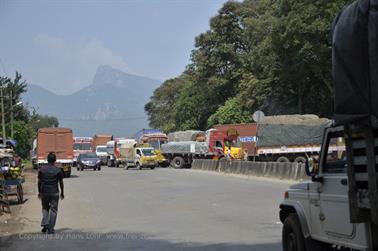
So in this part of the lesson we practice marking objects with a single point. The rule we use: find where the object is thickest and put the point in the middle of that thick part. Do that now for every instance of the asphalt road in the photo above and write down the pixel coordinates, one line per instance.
(161, 209)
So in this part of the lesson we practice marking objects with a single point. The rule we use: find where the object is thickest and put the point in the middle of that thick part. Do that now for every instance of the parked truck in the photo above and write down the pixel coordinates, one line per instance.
(58, 141)
(155, 138)
(101, 152)
(338, 208)
(100, 139)
(81, 145)
(189, 145)
(289, 138)
(245, 134)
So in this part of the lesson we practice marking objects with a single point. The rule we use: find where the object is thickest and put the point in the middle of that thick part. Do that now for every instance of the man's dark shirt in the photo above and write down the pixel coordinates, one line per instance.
(49, 177)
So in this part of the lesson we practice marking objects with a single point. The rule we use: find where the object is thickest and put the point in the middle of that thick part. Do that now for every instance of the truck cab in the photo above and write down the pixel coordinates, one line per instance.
(224, 145)
(102, 153)
(156, 140)
(141, 156)
(316, 214)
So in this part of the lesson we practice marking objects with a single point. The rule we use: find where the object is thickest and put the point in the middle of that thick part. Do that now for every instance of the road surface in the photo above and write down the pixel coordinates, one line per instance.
(161, 209)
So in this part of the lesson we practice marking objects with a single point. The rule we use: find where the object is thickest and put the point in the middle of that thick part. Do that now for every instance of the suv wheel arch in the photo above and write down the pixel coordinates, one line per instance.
(287, 209)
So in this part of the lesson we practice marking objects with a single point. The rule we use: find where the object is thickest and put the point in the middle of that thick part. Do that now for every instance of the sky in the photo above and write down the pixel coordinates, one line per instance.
(59, 44)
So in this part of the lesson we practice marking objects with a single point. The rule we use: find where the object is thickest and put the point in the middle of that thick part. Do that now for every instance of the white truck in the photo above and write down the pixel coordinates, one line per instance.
(338, 208)
(101, 152)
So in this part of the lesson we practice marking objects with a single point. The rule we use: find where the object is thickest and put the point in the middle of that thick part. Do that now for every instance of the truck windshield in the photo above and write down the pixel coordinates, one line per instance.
(82, 146)
(155, 144)
(148, 152)
(101, 149)
(232, 143)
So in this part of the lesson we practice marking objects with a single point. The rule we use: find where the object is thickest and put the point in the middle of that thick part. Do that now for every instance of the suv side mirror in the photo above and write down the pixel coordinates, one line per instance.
(311, 167)
(312, 170)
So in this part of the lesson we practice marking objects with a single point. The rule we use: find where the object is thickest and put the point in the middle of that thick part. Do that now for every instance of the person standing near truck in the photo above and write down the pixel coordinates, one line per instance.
(48, 178)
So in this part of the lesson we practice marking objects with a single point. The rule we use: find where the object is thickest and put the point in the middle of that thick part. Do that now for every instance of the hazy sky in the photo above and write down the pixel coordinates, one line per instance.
(58, 44)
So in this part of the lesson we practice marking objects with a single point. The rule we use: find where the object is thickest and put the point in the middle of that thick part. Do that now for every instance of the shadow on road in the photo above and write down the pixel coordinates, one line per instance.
(66, 239)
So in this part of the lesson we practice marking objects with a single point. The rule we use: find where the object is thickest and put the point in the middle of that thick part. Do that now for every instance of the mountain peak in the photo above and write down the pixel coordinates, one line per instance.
(107, 75)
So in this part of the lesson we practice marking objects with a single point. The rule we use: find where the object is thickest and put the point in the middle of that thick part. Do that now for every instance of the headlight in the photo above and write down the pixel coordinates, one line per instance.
(98, 161)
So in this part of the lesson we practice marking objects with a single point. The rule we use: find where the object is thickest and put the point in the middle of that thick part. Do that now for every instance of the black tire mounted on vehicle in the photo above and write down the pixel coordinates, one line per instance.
(283, 159)
(300, 159)
(292, 236)
(109, 163)
(178, 162)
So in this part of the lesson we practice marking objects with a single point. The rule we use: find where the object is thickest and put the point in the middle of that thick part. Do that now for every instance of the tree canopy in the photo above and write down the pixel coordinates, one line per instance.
(267, 55)
(25, 122)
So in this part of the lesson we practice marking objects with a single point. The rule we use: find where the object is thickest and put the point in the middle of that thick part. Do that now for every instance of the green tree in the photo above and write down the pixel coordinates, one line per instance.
(160, 107)
(24, 135)
(267, 55)
(42, 121)
(230, 113)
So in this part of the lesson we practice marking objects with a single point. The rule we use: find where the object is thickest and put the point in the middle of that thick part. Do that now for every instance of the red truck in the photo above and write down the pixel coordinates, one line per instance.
(244, 134)
(58, 141)
(81, 145)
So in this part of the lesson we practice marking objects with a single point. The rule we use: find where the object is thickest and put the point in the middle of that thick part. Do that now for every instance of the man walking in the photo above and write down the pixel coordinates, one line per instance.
(48, 178)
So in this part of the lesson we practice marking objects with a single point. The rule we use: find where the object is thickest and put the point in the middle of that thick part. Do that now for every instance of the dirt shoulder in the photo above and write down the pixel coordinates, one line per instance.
(12, 223)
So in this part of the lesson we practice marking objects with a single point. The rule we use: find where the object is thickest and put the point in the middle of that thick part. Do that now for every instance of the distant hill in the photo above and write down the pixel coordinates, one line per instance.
(113, 103)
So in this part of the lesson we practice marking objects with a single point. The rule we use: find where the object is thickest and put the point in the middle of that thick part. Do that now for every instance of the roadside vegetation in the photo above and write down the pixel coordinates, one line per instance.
(26, 120)
(267, 55)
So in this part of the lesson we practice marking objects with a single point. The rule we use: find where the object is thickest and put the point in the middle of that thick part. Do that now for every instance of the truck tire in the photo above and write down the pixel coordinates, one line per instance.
(110, 163)
(178, 162)
(300, 159)
(283, 159)
(292, 236)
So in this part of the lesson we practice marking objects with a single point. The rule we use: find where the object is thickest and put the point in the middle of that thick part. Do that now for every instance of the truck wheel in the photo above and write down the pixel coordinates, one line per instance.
(178, 162)
(292, 236)
(300, 159)
(109, 164)
(283, 159)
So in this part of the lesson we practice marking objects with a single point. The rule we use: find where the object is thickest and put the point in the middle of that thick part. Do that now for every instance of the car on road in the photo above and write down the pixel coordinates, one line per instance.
(88, 161)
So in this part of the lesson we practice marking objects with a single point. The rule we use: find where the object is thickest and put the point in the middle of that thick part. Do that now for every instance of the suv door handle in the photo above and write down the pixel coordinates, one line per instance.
(344, 182)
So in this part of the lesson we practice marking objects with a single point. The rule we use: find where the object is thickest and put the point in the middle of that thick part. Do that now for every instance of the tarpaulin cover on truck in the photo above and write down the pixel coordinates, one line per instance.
(290, 130)
(185, 147)
(355, 62)
(189, 135)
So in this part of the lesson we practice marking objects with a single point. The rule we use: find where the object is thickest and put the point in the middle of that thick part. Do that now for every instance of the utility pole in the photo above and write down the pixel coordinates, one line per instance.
(11, 110)
(3, 115)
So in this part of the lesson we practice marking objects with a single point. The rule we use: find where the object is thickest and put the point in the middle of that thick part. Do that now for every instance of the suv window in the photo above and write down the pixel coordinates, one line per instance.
(336, 157)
